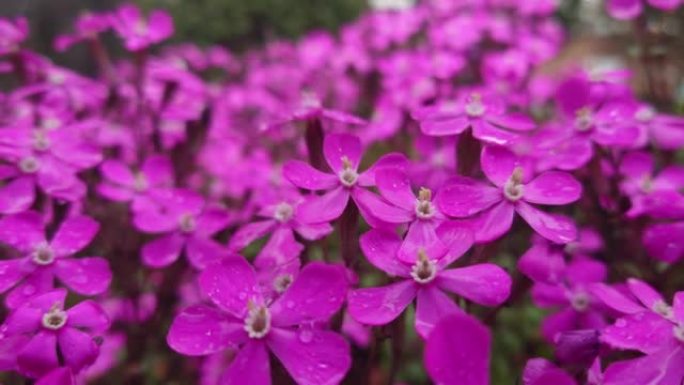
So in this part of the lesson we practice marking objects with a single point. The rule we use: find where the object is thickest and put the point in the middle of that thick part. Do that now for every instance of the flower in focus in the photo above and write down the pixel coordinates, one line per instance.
(54, 332)
(425, 280)
(40, 260)
(512, 191)
(292, 326)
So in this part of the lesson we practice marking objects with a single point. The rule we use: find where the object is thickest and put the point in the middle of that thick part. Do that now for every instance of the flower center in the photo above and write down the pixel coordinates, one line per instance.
(513, 189)
(424, 207)
(43, 255)
(29, 165)
(580, 301)
(474, 106)
(424, 269)
(645, 114)
(140, 182)
(584, 119)
(678, 332)
(187, 223)
(283, 212)
(348, 176)
(51, 123)
(40, 141)
(660, 307)
(647, 184)
(258, 321)
(282, 282)
(55, 318)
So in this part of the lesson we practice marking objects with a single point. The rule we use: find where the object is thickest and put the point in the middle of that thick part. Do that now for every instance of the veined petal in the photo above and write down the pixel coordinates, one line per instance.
(303, 175)
(317, 293)
(486, 284)
(380, 305)
(555, 228)
(312, 357)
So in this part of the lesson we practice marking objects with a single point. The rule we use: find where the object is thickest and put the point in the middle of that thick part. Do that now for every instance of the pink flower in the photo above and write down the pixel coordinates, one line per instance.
(424, 280)
(457, 351)
(513, 191)
(12, 33)
(343, 154)
(653, 195)
(54, 332)
(40, 260)
(291, 327)
(125, 185)
(281, 223)
(88, 27)
(188, 223)
(564, 286)
(650, 326)
(665, 241)
(483, 113)
(138, 33)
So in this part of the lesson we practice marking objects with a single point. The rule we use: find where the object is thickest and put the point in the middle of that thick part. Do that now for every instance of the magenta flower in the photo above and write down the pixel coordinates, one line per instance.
(88, 26)
(485, 114)
(592, 117)
(424, 280)
(60, 376)
(664, 131)
(656, 195)
(281, 223)
(457, 351)
(188, 223)
(567, 287)
(513, 191)
(54, 332)
(419, 212)
(665, 241)
(138, 33)
(651, 327)
(290, 327)
(343, 154)
(12, 34)
(310, 108)
(122, 184)
(40, 260)
(630, 9)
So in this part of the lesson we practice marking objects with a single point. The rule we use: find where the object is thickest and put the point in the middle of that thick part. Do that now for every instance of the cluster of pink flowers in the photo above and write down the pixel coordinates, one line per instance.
(240, 208)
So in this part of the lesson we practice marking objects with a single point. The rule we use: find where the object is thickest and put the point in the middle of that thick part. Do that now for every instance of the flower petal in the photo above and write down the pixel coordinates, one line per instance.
(201, 330)
(39, 355)
(644, 293)
(12, 271)
(615, 299)
(17, 195)
(250, 233)
(555, 228)
(493, 223)
(646, 332)
(250, 366)
(230, 284)
(486, 284)
(553, 188)
(458, 350)
(661, 368)
(464, 197)
(377, 207)
(395, 186)
(22, 231)
(88, 315)
(380, 305)
(380, 248)
(324, 208)
(336, 146)
(78, 348)
(303, 175)
(203, 251)
(312, 357)
(163, 251)
(498, 163)
(87, 276)
(316, 294)
(432, 305)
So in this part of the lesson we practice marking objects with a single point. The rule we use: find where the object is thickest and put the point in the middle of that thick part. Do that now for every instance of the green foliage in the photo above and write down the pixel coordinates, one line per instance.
(241, 23)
